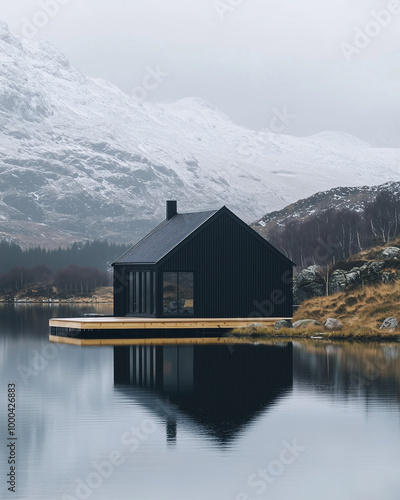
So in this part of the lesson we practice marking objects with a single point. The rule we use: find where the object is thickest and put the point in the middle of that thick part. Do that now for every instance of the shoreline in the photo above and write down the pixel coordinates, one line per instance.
(360, 334)
(100, 295)
(348, 336)
(56, 301)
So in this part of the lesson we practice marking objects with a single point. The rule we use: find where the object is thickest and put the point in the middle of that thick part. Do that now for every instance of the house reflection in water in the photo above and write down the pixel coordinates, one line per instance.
(222, 388)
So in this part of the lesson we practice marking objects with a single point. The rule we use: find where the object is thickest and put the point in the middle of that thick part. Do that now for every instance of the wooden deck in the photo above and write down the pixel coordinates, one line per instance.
(108, 323)
(112, 331)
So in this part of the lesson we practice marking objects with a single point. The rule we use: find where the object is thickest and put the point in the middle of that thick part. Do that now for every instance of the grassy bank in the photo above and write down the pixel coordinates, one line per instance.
(361, 311)
(360, 334)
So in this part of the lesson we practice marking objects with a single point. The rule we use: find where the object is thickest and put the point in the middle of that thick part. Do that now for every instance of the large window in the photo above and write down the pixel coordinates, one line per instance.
(178, 295)
(141, 292)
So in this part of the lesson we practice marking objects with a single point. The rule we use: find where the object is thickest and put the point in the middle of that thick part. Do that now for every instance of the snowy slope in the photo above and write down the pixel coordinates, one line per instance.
(349, 198)
(79, 158)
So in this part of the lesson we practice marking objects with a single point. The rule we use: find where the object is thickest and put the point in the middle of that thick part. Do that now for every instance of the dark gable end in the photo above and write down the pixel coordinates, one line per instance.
(230, 214)
(170, 235)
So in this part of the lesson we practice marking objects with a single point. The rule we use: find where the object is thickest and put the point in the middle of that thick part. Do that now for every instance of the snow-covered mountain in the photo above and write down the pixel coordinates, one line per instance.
(350, 198)
(81, 159)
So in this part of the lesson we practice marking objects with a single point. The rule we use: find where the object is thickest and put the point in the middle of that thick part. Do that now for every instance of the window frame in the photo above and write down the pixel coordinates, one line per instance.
(178, 314)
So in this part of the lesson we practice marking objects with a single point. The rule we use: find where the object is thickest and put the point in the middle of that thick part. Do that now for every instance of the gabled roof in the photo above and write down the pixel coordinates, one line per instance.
(164, 238)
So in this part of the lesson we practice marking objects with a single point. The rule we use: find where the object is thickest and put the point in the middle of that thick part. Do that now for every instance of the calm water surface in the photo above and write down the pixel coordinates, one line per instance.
(301, 420)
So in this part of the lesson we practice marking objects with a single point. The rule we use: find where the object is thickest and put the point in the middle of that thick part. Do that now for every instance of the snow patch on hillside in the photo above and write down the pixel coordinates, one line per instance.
(83, 159)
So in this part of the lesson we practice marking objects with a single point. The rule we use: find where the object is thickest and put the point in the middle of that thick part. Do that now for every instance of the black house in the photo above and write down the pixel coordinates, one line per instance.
(203, 265)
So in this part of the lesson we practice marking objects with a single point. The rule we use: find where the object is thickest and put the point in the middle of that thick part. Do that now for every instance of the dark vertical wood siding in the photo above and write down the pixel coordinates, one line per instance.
(121, 287)
(120, 291)
(236, 275)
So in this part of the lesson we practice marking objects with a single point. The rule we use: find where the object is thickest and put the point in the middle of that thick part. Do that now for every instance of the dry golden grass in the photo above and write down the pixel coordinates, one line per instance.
(356, 333)
(361, 311)
(373, 253)
(364, 307)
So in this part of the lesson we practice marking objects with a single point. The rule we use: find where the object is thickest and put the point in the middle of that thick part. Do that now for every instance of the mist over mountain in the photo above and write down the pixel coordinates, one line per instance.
(80, 159)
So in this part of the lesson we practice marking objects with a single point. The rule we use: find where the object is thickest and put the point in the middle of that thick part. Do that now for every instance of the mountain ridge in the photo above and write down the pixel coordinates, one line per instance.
(351, 198)
(79, 159)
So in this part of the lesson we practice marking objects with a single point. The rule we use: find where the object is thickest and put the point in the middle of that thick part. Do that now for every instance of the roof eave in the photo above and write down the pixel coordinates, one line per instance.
(134, 263)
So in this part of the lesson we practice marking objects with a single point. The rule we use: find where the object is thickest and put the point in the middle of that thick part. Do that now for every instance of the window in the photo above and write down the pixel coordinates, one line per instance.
(141, 292)
(178, 294)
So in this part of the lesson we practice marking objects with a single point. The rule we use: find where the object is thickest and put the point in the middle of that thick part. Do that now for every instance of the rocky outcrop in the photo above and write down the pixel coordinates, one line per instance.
(391, 253)
(310, 282)
(370, 272)
(338, 280)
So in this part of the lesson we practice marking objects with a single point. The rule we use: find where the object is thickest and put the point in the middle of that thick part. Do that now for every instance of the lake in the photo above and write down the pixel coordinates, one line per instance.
(277, 420)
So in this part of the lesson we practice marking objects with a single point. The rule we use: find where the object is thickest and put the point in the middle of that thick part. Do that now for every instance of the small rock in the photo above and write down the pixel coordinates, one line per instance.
(283, 323)
(389, 324)
(302, 323)
(333, 324)
(254, 327)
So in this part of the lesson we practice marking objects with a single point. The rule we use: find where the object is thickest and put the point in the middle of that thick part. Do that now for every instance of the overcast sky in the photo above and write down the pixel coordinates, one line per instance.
(332, 64)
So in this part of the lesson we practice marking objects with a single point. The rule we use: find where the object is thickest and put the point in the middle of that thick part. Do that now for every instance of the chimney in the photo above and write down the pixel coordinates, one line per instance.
(171, 209)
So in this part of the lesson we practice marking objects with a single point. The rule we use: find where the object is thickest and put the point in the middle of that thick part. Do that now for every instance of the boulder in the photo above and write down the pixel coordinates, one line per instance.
(307, 276)
(387, 277)
(254, 327)
(337, 282)
(333, 324)
(353, 277)
(303, 323)
(389, 324)
(308, 283)
(283, 323)
(371, 272)
(391, 253)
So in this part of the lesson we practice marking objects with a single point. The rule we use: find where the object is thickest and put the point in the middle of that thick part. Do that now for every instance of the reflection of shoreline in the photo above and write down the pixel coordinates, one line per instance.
(101, 295)
(314, 334)
(56, 301)
(32, 320)
(348, 369)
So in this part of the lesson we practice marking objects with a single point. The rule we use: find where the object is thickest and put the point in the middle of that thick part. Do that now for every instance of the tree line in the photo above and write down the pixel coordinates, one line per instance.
(97, 254)
(72, 279)
(333, 235)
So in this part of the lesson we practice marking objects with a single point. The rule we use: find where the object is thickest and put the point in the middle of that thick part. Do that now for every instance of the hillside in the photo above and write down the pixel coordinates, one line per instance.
(350, 198)
(79, 159)
(331, 226)
(360, 307)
